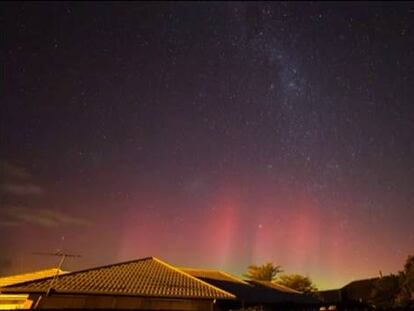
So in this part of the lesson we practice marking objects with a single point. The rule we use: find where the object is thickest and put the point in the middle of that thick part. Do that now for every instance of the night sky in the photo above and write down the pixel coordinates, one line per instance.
(209, 135)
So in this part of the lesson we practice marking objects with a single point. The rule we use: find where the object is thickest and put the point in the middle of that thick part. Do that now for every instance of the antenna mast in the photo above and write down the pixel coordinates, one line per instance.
(63, 256)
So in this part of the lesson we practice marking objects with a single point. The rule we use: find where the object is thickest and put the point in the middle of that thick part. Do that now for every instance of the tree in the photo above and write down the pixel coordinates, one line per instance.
(385, 291)
(405, 296)
(266, 272)
(395, 290)
(297, 282)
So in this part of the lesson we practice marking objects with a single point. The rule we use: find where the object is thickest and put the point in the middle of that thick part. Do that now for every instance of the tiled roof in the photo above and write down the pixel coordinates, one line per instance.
(144, 277)
(213, 274)
(19, 278)
(254, 292)
(241, 289)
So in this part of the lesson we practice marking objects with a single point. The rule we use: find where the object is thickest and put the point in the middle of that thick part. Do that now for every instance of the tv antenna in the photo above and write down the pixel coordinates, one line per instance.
(63, 256)
(58, 253)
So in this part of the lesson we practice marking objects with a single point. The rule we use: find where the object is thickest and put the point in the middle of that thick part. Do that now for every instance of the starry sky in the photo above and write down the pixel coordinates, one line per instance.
(209, 135)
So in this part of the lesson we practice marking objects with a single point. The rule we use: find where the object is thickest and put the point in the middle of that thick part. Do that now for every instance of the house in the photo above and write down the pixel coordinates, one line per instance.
(355, 294)
(256, 294)
(21, 301)
(146, 284)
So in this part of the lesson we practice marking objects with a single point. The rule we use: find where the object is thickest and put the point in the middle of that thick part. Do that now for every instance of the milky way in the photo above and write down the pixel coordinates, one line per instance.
(209, 134)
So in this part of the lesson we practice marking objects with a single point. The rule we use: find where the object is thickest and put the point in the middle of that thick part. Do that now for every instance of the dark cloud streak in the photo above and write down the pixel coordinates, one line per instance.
(43, 217)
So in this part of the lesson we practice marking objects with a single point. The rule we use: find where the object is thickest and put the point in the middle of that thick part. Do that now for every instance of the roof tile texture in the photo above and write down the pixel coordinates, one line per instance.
(144, 277)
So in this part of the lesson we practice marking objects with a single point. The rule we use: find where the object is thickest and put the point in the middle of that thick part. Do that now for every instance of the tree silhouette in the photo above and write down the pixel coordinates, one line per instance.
(405, 297)
(395, 291)
(266, 272)
(297, 282)
(385, 291)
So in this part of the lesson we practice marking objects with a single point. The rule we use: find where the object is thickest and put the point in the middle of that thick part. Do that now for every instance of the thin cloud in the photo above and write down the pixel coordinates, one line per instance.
(17, 181)
(18, 186)
(21, 189)
(8, 223)
(13, 171)
(42, 217)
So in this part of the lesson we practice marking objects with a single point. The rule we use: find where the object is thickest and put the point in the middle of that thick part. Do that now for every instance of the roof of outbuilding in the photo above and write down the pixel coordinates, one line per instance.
(251, 291)
(213, 274)
(143, 277)
(276, 286)
(31, 276)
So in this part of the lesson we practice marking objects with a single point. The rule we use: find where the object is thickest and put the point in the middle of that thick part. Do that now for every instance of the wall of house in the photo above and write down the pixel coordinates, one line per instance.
(120, 302)
(14, 301)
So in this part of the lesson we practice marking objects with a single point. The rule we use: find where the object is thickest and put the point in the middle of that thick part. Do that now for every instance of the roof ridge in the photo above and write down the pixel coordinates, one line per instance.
(32, 272)
(234, 277)
(193, 277)
(199, 269)
(286, 287)
(273, 285)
